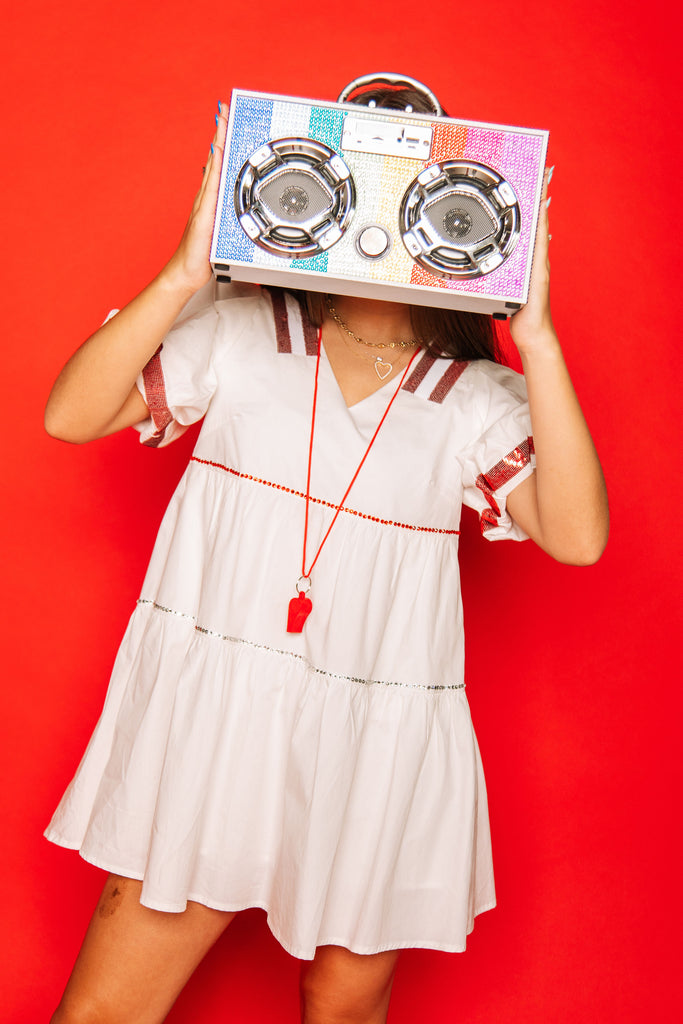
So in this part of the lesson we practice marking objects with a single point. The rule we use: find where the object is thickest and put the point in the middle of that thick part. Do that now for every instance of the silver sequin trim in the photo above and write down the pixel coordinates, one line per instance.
(299, 657)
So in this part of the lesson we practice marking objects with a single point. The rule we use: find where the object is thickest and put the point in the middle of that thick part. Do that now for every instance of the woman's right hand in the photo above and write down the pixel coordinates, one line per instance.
(189, 266)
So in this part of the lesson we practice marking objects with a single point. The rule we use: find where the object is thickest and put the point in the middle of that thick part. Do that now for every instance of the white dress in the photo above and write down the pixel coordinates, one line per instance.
(331, 777)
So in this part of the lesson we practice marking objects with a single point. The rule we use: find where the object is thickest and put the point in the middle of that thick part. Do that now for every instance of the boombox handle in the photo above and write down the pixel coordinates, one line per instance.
(389, 78)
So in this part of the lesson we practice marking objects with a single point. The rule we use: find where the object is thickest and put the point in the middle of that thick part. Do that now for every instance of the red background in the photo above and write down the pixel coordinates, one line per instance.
(572, 672)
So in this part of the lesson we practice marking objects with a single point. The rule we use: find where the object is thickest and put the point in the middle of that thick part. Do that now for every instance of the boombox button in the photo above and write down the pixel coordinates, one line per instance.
(373, 242)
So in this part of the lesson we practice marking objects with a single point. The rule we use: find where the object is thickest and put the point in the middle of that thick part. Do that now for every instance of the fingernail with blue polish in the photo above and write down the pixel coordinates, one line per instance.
(216, 116)
(550, 173)
(547, 202)
(220, 108)
(212, 154)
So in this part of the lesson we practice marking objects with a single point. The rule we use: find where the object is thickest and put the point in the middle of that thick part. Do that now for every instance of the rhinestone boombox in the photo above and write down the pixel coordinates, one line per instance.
(378, 203)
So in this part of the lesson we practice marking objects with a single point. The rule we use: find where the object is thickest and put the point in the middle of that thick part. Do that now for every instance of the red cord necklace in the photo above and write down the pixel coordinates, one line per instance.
(301, 605)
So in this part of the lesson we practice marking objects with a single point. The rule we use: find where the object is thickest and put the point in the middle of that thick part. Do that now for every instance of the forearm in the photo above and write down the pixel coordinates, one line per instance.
(571, 511)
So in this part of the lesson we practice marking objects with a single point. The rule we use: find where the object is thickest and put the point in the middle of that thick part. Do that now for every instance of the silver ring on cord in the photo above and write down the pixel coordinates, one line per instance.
(303, 589)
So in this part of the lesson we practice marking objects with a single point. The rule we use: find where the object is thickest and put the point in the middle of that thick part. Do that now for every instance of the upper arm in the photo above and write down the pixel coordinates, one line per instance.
(134, 410)
(522, 504)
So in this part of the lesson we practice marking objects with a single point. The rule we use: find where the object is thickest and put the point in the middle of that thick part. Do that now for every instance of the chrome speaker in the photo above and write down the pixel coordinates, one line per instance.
(459, 219)
(294, 197)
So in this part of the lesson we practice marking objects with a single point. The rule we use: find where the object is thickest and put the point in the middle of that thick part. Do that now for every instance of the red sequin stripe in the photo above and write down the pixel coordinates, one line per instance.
(491, 481)
(318, 501)
(281, 316)
(419, 373)
(155, 395)
(450, 375)
(447, 380)
(284, 341)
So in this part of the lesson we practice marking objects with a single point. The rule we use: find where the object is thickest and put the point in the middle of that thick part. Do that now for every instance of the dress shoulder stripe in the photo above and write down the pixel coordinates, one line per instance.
(433, 378)
(295, 334)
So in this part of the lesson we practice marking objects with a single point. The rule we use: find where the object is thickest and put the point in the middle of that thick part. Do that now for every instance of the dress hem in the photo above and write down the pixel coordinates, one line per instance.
(176, 908)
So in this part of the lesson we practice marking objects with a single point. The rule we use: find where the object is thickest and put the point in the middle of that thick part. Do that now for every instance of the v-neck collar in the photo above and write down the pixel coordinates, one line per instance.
(384, 386)
(430, 378)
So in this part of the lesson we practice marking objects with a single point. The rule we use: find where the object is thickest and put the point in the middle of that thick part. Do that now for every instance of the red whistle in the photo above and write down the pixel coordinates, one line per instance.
(299, 610)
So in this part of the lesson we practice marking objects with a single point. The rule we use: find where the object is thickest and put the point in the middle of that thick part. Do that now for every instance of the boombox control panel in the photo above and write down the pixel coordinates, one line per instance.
(339, 198)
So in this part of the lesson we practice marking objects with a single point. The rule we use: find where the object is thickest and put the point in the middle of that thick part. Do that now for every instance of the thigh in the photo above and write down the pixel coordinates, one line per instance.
(134, 961)
(338, 985)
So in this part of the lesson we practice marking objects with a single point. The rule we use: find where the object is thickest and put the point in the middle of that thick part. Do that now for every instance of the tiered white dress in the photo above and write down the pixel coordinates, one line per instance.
(331, 777)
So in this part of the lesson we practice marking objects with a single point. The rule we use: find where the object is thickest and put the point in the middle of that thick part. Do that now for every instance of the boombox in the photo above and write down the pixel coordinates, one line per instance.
(378, 203)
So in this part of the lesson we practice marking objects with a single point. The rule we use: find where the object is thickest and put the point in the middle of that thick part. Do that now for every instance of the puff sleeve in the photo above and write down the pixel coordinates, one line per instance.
(180, 379)
(502, 454)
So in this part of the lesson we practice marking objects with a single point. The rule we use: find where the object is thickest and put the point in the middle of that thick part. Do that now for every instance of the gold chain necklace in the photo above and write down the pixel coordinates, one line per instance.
(370, 344)
(382, 367)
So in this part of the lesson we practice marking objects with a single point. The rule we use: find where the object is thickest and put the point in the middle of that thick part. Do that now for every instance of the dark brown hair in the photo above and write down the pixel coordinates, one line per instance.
(451, 333)
(447, 333)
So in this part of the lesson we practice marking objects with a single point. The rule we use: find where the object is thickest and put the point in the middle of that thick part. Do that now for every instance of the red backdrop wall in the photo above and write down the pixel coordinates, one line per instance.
(571, 671)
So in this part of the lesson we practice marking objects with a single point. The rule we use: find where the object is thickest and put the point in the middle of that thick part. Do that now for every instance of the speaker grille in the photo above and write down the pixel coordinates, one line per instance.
(294, 197)
(460, 219)
(294, 200)
(457, 222)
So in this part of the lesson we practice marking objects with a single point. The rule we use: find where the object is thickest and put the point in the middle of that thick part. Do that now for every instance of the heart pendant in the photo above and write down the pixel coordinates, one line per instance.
(382, 369)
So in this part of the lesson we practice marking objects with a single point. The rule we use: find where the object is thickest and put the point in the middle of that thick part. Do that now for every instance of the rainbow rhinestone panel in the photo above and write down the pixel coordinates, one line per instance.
(380, 183)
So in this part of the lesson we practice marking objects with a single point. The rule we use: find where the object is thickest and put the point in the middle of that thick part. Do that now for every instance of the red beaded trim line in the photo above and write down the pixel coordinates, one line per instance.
(320, 501)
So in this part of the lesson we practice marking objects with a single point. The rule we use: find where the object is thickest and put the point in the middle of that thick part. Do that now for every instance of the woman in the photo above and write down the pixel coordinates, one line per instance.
(286, 725)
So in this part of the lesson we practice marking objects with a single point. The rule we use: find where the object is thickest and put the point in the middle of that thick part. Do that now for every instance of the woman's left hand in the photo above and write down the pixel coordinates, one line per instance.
(533, 324)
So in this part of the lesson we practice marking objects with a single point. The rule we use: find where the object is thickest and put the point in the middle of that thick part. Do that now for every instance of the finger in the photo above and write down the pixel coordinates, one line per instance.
(213, 175)
(221, 128)
(222, 125)
(542, 228)
(546, 199)
(206, 172)
(218, 142)
(205, 202)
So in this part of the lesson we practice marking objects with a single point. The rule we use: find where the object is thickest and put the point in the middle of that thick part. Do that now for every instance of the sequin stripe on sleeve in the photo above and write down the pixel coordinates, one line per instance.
(503, 471)
(155, 396)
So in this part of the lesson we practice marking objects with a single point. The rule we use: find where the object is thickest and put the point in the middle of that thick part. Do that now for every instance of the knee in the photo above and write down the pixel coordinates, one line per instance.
(329, 997)
(322, 1006)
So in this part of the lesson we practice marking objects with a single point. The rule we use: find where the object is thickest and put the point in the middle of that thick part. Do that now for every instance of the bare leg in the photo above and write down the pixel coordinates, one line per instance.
(135, 961)
(341, 986)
